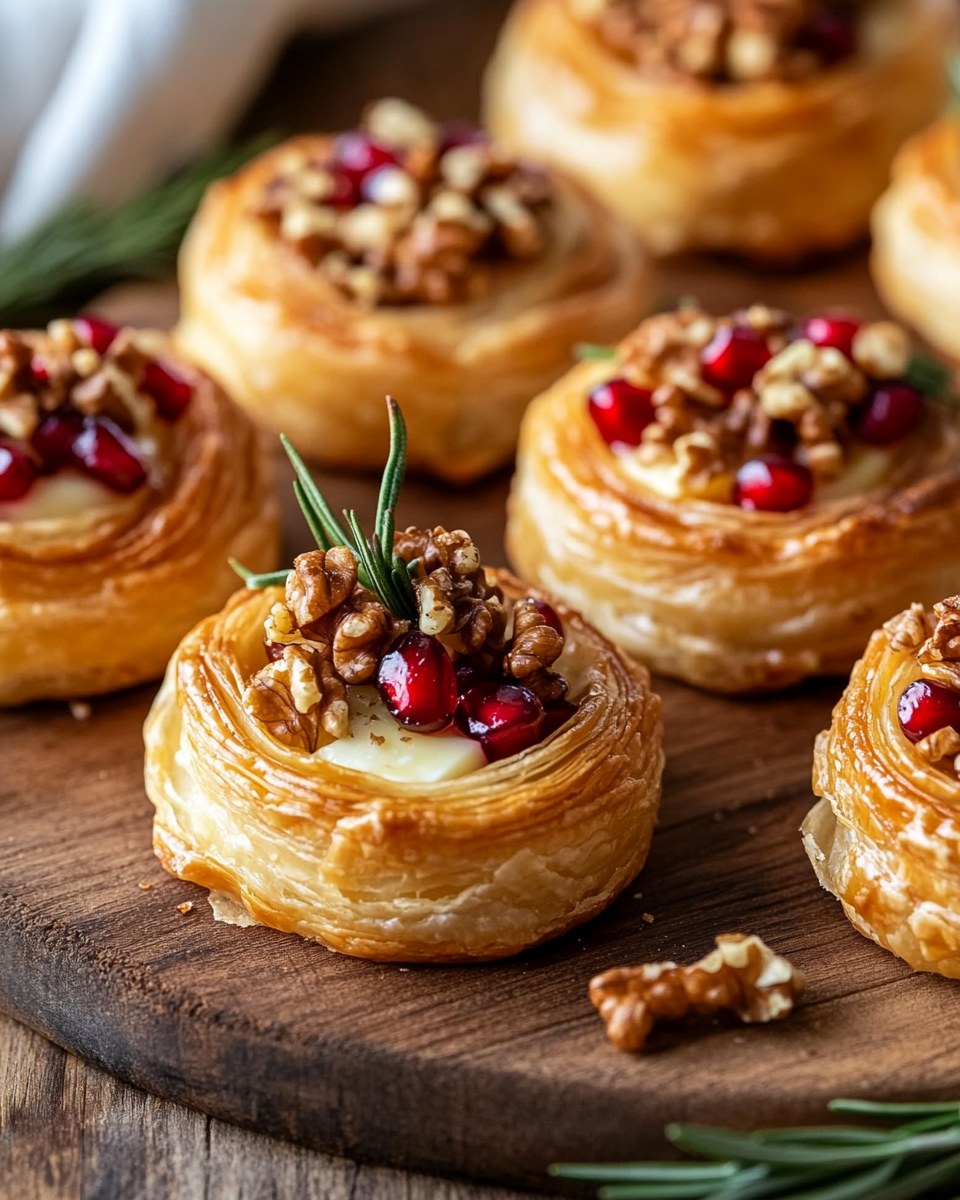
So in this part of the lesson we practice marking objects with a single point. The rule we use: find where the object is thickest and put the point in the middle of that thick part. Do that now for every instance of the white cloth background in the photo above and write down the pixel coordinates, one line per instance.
(98, 98)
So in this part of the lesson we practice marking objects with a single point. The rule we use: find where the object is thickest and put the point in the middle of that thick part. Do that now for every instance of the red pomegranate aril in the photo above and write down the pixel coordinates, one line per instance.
(104, 452)
(832, 34)
(893, 411)
(557, 714)
(96, 332)
(837, 332)
(357, 154)
(549, 614)
(621, 412)
(39, 373)
(346, 190)
(925, 706)
(418, 684)
(17, 472)
(772, 484)
(504, 718)
(53, 440)
(468, 676)
(462, 133)
(732, 358)
(170, 392)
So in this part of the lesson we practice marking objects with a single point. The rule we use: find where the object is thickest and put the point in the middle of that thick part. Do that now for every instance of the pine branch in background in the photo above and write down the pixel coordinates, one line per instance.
(81, 250)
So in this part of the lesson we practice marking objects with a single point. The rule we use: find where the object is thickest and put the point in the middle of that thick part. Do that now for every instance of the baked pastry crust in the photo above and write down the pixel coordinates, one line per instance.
(308, 362)
(725, 599)
(885, 837)
(729, 168)
(98, 602)
(916, 236)
(481, 866)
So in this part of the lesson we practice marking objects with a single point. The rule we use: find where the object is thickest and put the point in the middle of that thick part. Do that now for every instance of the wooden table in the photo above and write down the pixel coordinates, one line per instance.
(68, 1129)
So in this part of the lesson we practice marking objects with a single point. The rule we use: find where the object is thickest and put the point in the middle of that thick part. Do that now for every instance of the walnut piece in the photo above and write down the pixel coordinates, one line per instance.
(939, 656)
(362, 636)
(320, 582)
(535, 646)
(742, 976)
(909, 629)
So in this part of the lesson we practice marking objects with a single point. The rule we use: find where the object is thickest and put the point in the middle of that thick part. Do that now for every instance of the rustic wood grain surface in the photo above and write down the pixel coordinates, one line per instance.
(485, 1071)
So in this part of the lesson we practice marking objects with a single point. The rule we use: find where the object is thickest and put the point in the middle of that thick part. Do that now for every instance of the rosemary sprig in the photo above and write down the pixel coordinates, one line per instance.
(379, 569)
(81, 250)
(592, 352)
(935, 379)
(828, 1162)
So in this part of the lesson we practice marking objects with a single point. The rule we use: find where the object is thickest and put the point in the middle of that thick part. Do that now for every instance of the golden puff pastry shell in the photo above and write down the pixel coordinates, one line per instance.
(308, 362)
(916, 236)
(477, 867)
(885, 838)
(728, 600)
(771, 170)
(97, 602)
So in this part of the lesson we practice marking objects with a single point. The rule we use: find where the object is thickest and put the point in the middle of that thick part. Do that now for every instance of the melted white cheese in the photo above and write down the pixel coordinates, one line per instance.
(377, 745)
(55, 497)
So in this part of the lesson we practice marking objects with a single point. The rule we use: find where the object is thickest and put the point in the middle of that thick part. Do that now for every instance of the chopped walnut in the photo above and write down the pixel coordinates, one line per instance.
(803, 400)
(424, 230)
(535, 646)
(737, 41)
(286, 697)
(907, 630)
(939, 656)
(320, 582)
(742, 976)
(362, 637)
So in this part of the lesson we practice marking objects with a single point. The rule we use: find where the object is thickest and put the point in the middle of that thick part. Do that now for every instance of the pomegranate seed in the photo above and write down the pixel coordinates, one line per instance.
(837, 332)
(17, 472)
(357, 154)
(105, 453)
(468, 676)
(893, 411)
(346, 190)
(462, 133)
(735, 354)
(96, 332)
(831, 34)
(54, 437)
(418, 684)
(504, 718)
(549, 614)
(557, 714)
(39, 373)
(621, 412)
(772, 484)
(925, 707)
(168, 389)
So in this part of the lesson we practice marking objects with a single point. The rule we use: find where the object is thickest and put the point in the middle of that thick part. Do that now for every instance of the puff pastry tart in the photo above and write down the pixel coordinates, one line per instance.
(126, 478)
(739, 500)
(734, 125)
(405, 756)
(916, 236)
(404, 256)
(885, 837)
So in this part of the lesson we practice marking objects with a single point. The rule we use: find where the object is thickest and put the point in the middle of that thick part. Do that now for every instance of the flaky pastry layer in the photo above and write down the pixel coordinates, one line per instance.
(477, 867)
(728, 600)
(885, 837)
(96, 602)
(916, 236)
(308, 362)
(772, 170)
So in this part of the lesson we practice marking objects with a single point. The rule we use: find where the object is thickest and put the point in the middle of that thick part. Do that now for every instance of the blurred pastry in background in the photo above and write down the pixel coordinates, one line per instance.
(407, 257)
(916, 236)
(763, 129)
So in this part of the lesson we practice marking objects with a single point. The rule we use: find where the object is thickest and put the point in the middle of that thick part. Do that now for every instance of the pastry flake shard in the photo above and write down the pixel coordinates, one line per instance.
(719, 469)
(742, 976)
(433, 764)
(884, 837)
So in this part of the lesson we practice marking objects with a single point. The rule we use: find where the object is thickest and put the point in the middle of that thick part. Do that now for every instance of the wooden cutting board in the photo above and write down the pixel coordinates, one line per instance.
(491, 1071)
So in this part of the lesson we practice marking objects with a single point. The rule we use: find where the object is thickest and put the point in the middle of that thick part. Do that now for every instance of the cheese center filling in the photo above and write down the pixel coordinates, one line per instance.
(377, 745)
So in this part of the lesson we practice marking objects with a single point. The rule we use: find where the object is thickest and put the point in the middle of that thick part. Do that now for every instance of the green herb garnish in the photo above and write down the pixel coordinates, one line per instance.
(379, 569)
(827, 1162)
(81, 250)
(592, 352)
(935, 379)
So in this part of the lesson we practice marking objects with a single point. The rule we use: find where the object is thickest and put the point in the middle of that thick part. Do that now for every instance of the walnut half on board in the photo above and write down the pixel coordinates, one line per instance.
(742, 976)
